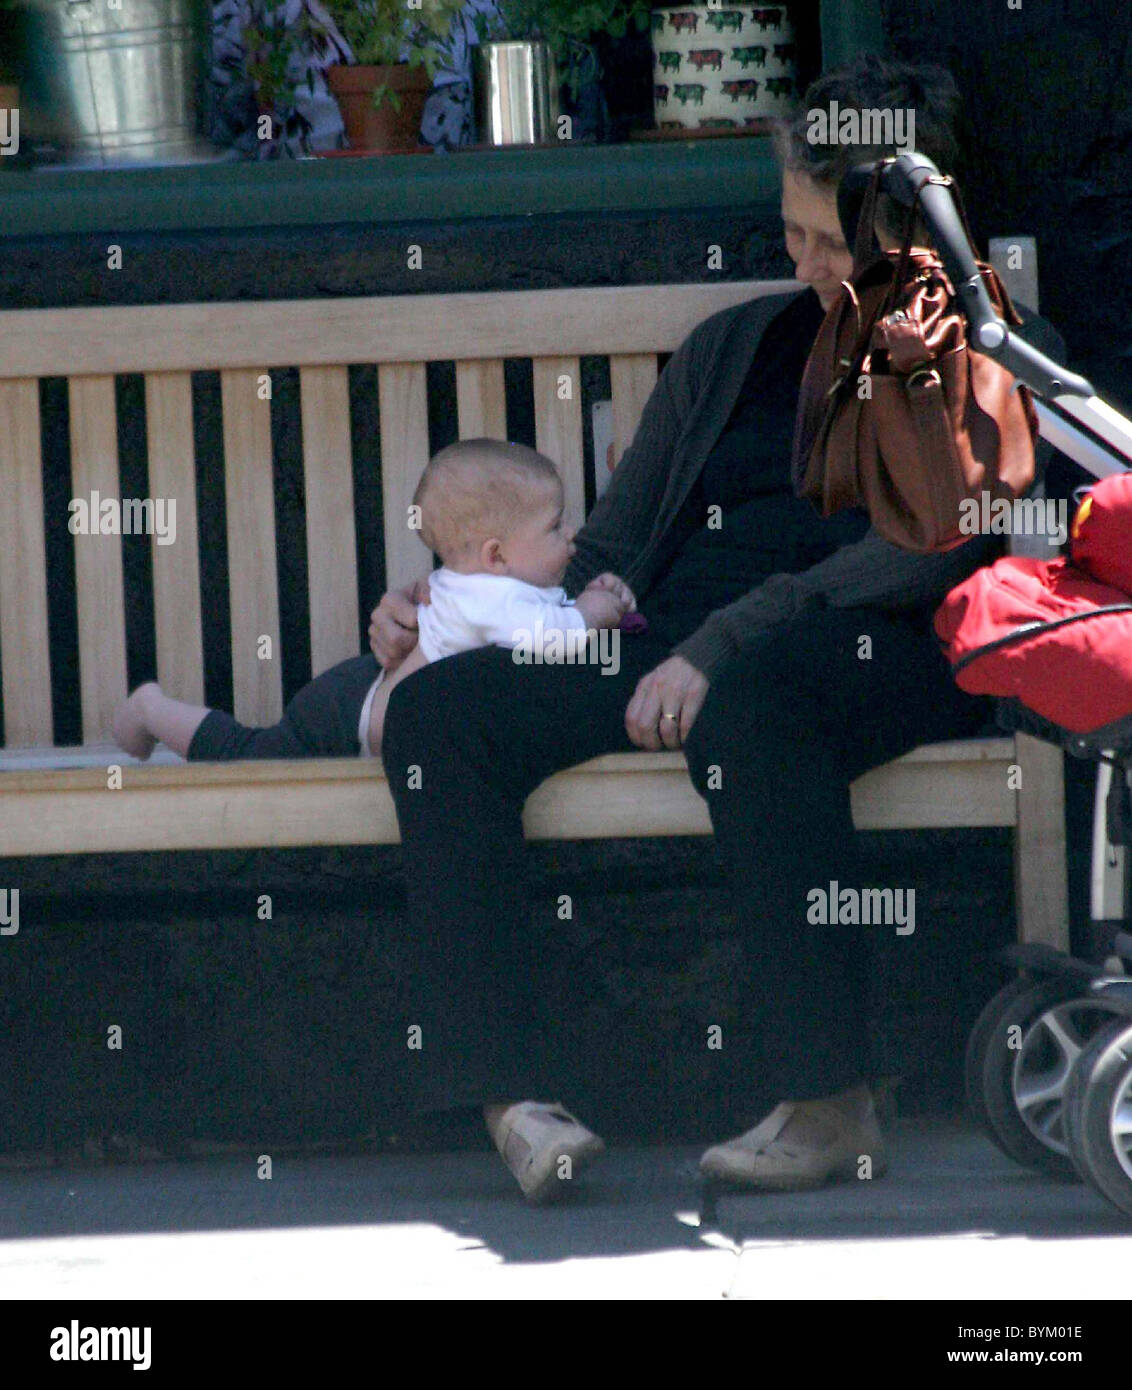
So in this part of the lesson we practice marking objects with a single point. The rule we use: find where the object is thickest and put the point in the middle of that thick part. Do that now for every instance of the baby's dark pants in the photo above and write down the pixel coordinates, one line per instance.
(320, 722)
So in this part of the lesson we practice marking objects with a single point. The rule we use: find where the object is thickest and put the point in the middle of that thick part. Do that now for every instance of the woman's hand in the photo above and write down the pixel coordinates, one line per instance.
(665, 704)
(393, 623)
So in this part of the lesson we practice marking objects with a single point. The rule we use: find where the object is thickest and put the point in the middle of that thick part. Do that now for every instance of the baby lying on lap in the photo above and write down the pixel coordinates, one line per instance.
(493, 512)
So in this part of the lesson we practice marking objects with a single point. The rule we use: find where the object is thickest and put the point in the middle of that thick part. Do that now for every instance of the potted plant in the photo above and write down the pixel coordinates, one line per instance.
(270, 46)
(396, 53)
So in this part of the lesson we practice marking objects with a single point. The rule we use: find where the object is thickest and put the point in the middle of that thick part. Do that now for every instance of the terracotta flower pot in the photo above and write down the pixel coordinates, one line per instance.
(353, 85)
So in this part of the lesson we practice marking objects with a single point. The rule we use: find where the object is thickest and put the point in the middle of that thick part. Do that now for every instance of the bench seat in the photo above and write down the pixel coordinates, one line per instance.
(55, 801)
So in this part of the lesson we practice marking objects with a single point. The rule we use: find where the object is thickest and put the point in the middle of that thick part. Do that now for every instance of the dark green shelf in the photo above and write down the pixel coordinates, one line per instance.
(653, 175)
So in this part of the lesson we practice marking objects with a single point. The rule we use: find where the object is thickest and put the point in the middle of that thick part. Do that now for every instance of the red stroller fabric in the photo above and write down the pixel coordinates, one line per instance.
(1101, 537)
(1032, 630)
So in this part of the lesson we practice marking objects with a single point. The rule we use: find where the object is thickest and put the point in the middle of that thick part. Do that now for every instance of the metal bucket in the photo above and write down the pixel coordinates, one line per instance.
(130, 78)
(517, 97)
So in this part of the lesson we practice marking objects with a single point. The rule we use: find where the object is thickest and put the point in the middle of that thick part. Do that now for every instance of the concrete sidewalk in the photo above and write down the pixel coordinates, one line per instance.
(953, 1219)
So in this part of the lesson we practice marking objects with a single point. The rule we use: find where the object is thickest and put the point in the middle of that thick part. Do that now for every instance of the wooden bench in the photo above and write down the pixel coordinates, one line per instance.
(55, 800)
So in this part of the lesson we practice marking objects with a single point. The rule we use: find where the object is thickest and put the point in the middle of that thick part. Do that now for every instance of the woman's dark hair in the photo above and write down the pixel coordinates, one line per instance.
(870, 83)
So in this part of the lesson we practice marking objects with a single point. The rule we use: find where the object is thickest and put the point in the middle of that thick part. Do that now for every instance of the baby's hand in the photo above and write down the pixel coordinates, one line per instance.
(601, 608)
(616, 586)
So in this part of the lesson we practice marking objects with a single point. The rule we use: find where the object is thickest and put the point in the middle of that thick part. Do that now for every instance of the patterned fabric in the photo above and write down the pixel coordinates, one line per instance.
(315, 123)
(448, 120)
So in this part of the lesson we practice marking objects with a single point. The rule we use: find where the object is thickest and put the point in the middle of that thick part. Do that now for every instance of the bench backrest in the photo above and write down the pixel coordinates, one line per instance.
(244, 342)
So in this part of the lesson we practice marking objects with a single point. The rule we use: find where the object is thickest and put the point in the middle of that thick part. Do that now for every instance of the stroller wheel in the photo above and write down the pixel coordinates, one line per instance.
(979, 1041)
(1032, 1040)
(1098, 1104)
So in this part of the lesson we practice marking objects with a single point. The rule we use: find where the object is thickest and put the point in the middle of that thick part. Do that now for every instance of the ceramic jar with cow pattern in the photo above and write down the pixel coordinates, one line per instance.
(721, 69)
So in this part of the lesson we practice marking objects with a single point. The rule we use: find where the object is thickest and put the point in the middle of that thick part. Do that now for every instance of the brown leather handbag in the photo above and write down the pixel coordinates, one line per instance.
(896, 413)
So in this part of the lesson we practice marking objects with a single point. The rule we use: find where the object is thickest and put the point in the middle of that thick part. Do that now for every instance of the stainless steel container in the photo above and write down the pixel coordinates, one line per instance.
(130, 78)
(517, 96)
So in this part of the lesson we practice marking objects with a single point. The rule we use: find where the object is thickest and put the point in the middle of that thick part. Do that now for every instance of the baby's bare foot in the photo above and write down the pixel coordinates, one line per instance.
(130, 728)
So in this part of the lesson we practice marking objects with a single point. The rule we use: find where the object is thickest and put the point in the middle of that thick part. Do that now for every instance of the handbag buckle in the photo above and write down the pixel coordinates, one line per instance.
(840, 381)
(929, 372)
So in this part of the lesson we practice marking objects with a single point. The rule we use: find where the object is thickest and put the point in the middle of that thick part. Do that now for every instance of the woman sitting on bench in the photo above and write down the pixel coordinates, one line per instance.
(754, 665)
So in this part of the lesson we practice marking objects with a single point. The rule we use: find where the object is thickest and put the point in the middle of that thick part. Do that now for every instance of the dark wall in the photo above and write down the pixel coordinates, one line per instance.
(1048, 95)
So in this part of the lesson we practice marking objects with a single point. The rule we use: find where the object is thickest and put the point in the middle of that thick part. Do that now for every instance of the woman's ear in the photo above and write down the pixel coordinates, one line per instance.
(887, 241)
(891, 222)
(888, 216)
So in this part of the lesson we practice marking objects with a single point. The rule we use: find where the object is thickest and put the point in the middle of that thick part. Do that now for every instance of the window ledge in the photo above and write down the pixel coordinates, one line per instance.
(646, 175)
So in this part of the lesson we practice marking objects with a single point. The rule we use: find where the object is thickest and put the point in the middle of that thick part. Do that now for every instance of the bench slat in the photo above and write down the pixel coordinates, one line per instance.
(558, 427)
(933, 795)
(1041, 871)
(23, 569)
(291, 810)
(403, 403)
(632, 377)
(98, 558)
(332, 558)
(347, 801)
(481, 399)
(13, 761)
(176, 567)
(372, 328)
(253, 593)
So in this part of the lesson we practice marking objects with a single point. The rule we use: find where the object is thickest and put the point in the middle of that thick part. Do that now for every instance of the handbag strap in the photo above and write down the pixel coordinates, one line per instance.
(863, 244)
(863, 241)
(909, 229)
(1035, 629)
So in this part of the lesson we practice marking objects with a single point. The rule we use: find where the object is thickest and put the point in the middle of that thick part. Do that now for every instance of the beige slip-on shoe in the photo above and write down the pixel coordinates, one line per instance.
(803, 1144)
(544, 1146)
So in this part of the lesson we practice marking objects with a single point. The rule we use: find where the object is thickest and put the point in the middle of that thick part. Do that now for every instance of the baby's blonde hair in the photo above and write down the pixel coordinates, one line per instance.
(476, 489)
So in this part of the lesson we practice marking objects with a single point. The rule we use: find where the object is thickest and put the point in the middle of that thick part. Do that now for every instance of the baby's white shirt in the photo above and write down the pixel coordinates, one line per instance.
(483, 610)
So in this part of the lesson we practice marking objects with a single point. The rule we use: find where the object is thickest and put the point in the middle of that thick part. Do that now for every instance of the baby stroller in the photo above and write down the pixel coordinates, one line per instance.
(1049, 1061)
